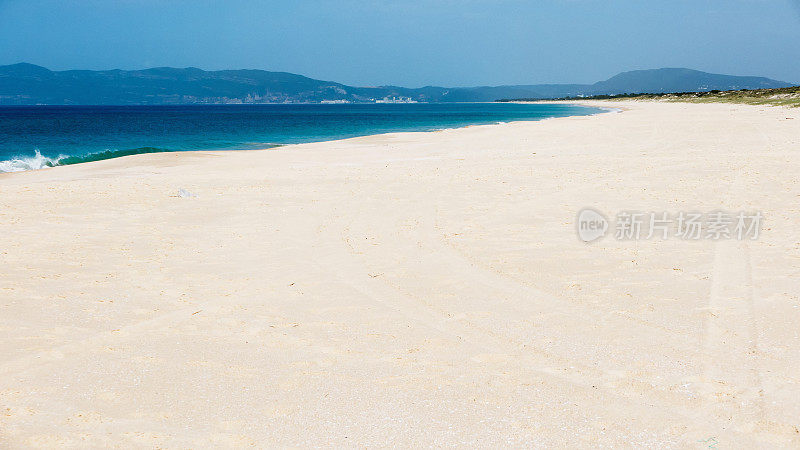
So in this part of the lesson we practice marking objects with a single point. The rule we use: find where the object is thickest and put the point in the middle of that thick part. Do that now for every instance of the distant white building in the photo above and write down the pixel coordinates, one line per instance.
(396, 100)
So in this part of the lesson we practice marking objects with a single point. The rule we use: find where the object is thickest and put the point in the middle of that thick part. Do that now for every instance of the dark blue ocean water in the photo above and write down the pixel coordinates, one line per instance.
(33, 137)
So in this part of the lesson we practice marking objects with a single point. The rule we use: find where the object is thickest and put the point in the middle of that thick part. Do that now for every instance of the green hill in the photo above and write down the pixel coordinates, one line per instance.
(25, 84)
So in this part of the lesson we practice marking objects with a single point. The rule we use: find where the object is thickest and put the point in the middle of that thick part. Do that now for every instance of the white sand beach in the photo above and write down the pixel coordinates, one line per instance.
(415, 289)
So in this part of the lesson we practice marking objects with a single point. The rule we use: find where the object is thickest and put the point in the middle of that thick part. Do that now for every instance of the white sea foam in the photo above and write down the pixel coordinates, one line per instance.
(30, 163)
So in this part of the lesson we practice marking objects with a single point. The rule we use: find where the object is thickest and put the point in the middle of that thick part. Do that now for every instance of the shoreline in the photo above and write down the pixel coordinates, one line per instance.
(282, 146)
(420, 288)
(46, 162)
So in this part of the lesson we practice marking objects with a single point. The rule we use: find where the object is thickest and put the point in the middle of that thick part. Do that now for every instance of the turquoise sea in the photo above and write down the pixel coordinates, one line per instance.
(35, 137)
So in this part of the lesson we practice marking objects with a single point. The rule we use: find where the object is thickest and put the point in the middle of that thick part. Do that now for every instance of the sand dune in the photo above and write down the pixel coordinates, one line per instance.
(410, 289)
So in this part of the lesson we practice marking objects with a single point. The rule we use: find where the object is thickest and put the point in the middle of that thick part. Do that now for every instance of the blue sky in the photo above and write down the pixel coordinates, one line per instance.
(410, 43)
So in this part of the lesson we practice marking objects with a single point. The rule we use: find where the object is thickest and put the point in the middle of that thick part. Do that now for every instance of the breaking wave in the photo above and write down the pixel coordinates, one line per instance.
(39, 161)
(35, 162)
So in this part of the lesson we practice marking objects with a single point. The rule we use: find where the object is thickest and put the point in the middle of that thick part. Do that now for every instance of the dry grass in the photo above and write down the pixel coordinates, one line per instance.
(783, 97)
(789, 96)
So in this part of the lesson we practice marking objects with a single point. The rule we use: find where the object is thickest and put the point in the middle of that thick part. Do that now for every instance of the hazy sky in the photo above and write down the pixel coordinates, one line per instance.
(410, 43)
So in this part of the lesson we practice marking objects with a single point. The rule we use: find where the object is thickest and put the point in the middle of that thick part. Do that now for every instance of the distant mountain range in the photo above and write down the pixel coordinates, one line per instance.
(26, 84)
